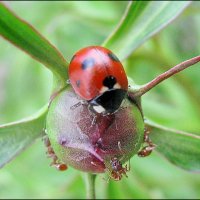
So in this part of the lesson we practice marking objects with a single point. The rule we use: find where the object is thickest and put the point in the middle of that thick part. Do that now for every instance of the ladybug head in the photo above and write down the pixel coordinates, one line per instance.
(108, 102)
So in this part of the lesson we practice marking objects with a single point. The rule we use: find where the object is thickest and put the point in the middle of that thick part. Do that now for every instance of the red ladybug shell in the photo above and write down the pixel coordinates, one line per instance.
(90, 66)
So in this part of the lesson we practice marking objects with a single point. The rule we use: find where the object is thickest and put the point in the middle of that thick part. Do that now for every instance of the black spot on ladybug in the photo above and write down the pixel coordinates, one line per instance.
(113, 57)
(109, 81)
(87, 63)
(73, 58)
(78, 82)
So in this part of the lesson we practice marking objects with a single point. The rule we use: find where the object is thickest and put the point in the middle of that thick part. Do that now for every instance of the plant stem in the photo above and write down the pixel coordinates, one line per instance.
(181, 66)
(90, 185)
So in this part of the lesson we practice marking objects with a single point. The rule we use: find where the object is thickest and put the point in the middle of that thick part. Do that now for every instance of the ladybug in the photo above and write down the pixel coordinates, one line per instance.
(98, 77)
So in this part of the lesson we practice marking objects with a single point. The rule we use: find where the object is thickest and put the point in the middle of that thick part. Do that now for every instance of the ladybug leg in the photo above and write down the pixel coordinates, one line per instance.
(146, 150)
(81, 102)
(51, 154)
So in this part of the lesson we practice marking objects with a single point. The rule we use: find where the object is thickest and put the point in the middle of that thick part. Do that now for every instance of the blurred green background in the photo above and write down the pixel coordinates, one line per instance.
(25, 87)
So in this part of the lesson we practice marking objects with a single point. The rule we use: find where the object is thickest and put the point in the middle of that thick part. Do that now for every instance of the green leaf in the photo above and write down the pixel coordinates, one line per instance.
(141, 20)
(24, 36)
(180, 148)
(15, 137)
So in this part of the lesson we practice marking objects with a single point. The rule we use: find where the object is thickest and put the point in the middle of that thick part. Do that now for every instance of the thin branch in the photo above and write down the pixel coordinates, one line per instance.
(90, 186)
(174, 70)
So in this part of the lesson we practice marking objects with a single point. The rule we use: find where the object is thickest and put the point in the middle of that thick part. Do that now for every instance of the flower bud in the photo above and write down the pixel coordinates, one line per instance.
(89, 142)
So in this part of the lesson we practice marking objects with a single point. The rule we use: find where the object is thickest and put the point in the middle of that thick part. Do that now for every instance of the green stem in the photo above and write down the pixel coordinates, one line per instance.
(161, 61)
(90, 185)
(145, 88)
